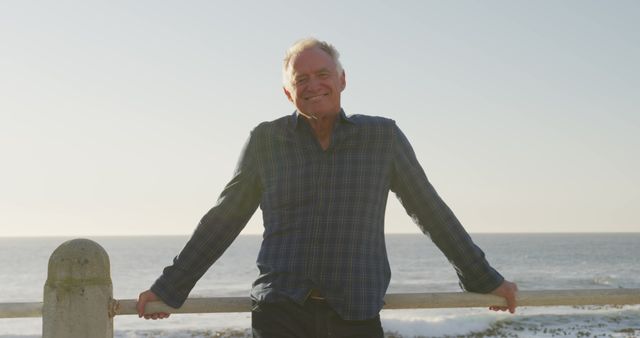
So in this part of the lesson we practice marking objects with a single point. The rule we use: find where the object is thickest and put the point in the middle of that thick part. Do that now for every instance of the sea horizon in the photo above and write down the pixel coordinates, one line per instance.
(386, 233)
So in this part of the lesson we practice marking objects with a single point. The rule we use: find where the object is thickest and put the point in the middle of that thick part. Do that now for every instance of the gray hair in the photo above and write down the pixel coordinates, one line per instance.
(302, 45)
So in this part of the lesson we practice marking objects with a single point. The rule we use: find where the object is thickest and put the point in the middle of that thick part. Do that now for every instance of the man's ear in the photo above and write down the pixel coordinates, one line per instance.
(343, 81)
(287, 93)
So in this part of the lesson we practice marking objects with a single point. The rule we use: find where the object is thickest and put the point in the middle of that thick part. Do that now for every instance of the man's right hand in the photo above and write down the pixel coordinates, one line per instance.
(508, 291)
(143, 298)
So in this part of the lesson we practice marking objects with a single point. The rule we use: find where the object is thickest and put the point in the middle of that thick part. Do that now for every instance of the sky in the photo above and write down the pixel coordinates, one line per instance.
(127, 117)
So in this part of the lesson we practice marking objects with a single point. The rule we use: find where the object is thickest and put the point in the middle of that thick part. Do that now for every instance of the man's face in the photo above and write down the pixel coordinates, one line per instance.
(315, 83)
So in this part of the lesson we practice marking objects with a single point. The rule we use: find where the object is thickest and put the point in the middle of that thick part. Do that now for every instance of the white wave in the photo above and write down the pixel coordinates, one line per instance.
(606, 280)
(437, 323)
(608, 321)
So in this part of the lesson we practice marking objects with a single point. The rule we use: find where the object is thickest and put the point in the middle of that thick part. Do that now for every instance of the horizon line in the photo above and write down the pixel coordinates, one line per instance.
(386, 233)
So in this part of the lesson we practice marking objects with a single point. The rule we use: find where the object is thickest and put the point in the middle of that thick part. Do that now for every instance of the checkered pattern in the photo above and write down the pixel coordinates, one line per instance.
(323, 215)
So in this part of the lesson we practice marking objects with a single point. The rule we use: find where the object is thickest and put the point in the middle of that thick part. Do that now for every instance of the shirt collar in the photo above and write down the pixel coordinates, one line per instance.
(296, 116)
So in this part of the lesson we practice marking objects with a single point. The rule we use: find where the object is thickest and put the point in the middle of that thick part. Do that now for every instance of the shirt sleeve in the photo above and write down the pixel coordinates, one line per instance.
(215, 232)
(435, 219)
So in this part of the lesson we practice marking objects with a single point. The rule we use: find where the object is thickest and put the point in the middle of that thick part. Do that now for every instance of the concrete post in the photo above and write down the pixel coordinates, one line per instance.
(78, 292)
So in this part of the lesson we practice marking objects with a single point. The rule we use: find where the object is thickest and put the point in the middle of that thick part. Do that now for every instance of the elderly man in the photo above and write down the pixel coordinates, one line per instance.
(322, 179)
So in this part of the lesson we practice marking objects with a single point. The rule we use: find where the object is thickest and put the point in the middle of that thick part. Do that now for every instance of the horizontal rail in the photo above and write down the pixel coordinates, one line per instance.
(417, 301)
(523, 298)
(392, 301)
(20, 310)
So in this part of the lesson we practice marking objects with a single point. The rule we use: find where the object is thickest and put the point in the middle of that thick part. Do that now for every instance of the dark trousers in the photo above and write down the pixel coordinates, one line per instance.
(314, 319)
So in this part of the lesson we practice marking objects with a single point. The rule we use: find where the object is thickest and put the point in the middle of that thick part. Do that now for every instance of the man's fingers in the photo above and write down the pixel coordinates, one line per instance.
(156, 315)
(508, 291)
(498, 308)
(511, 303)
(511, 298)
(142, 301)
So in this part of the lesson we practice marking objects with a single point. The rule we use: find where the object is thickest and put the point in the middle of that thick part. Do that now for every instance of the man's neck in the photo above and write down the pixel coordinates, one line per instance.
(322, 127)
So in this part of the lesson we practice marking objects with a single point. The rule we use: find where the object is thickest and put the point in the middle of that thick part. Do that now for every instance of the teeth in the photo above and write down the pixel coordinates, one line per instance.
(316, 97)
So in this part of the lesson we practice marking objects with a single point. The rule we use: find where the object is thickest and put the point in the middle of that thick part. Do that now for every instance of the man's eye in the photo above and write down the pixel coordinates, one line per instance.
(323, 75)
(302, 80)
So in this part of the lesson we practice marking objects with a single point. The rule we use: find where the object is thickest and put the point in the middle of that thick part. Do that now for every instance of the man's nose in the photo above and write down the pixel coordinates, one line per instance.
(313, 83)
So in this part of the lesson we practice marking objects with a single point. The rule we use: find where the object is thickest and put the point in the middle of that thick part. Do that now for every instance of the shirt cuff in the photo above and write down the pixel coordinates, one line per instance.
(169, 295)
(486, 283)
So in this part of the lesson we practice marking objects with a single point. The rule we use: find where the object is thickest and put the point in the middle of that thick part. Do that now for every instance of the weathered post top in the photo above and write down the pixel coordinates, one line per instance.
(78, 261)
(78, 292)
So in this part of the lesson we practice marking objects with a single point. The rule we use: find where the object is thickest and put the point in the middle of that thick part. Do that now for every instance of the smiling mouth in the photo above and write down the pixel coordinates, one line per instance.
(315, 97)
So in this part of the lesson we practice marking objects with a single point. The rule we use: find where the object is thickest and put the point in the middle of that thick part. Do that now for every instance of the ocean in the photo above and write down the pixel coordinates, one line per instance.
(534, 261)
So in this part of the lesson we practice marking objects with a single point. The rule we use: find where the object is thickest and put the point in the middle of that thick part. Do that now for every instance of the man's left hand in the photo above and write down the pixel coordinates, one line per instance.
(508, 291)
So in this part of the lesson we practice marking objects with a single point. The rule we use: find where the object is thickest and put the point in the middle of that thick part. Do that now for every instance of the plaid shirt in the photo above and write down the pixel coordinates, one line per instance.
(323, 213)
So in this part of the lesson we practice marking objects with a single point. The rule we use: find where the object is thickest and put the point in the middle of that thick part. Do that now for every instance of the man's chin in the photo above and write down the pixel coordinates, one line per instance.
(320, 113)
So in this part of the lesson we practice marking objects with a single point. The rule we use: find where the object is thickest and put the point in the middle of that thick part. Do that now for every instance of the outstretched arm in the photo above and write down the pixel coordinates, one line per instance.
(436, 220)
(215, 232)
